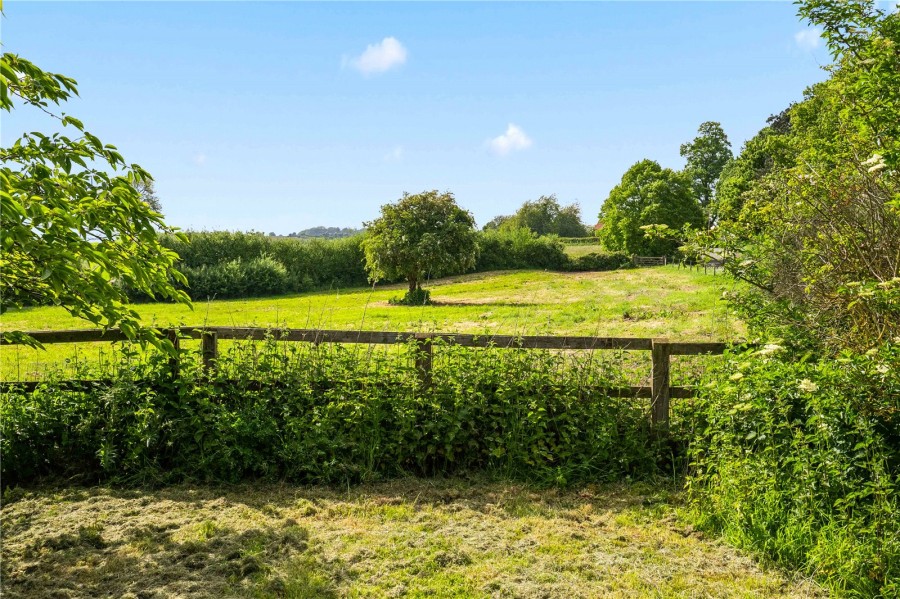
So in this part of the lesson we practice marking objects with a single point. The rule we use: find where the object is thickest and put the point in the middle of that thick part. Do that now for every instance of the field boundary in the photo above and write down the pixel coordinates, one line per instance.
(661, 349)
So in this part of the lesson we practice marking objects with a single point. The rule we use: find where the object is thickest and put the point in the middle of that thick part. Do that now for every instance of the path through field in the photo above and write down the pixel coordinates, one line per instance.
(406, 538)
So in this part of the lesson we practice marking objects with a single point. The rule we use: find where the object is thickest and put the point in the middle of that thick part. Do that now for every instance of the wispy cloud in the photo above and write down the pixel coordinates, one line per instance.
(513, 140)
(378, 58)
(199, 159)
(395, 155)
(809, 39)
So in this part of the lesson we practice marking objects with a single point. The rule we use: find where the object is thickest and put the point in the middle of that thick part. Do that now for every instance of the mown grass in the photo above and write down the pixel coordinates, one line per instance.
(405, 538)
(649, 302)
(574, 251)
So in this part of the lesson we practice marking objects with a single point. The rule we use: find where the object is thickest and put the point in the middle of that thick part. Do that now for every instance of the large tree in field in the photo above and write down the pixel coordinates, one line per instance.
(419, 236)
(648, 195)
(706, 156)
(74, 229)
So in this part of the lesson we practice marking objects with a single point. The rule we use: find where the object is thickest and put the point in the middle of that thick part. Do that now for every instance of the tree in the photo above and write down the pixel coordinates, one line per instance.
(497, 222)
(148, 194)
(648, 195)
(419, 236)
(73, 234)
(706, 156)
(544, 216)
(568, 222)
(539, 215)
(817, 231)
(767, 150)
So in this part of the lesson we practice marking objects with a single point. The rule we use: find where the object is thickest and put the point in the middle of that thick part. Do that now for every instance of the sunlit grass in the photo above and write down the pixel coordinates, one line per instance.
(648, 302)
(410, 538)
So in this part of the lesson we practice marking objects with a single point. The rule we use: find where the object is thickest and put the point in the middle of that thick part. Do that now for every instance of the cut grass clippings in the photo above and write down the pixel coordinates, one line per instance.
(404, 538)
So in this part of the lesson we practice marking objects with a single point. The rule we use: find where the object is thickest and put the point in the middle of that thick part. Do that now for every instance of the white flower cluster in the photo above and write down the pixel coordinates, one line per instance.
(807, 386)
(875, 163)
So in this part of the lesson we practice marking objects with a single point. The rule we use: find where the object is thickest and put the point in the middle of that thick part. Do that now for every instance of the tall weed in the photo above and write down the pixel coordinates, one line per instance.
(332, 413)
(798, 459)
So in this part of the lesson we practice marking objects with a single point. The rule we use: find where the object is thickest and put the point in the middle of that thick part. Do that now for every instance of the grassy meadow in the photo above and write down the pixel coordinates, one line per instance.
(648, 302)
(574, 251)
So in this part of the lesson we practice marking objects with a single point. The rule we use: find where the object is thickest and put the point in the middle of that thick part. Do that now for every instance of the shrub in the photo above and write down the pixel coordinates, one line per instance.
(265, 276)
(418, 297)
(799, 460)
(330, 413)
(601, 261)
(519, 248)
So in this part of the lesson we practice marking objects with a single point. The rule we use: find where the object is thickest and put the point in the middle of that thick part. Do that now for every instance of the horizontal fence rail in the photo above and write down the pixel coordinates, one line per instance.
(649, 260)
(659, 392)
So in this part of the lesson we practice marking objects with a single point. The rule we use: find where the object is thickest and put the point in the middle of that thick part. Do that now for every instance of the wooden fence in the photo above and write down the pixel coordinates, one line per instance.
(659, 392)
(649, 260)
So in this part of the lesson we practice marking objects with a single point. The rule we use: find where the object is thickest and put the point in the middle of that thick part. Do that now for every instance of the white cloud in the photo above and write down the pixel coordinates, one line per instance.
(380, 57)
(513, 140)
(199, 159)
(395, 155)
(809, 39)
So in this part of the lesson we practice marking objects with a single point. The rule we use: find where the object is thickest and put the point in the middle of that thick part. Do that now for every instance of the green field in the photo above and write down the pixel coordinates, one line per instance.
(648, 302)
(575, 251)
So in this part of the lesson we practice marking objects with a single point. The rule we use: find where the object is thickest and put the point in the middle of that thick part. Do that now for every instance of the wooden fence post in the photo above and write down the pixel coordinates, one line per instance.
(659, 390)
(209, 350)
(172, 335)
(424, 355)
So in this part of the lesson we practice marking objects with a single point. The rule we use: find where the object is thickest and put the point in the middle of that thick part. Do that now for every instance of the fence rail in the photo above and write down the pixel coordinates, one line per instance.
(649, 260)
(659, 392)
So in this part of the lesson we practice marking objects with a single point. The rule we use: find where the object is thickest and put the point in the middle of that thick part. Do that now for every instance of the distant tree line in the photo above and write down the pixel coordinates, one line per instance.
(544, 216)
(323, 233)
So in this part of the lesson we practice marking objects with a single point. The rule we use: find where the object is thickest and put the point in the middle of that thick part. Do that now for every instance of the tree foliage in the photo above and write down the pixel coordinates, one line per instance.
(817, 232)
(75, 231)
(419, 236)
(148, 194)
(543, 216)
(648, 195)
(706, 156)
(767, 150)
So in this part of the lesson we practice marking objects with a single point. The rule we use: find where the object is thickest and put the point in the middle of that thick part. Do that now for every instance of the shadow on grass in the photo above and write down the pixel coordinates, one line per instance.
(448, 537)
(136, 559)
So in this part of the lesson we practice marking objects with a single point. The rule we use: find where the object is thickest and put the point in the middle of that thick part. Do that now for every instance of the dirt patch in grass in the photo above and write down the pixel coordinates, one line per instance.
(406, 538)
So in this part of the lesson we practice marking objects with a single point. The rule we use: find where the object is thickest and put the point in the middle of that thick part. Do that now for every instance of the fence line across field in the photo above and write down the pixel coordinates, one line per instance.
(659, 392)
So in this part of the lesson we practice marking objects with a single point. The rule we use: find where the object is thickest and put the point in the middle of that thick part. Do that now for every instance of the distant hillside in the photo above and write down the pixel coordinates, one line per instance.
(326, 232)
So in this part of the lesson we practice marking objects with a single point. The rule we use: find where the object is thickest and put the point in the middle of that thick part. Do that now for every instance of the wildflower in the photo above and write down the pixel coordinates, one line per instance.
(875, 163)
(883, 368)
(769, 348)
(807, 386)
(737, 376)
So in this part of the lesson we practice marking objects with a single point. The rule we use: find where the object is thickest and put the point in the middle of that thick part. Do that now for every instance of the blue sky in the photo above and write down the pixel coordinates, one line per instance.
(282, 116)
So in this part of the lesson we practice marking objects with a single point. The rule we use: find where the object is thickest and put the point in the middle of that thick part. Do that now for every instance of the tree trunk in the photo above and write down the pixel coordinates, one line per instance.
(412, 285)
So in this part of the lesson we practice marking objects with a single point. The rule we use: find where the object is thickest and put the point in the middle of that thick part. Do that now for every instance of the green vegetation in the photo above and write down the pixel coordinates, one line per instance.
(791, 450)
(543, 216)
(328, 413)
(71, 234)
(420, 237)
(799, 459)
(222, 265)
(705, 157)
(657, 302)
(798, 456)
(470, 538)
(648, 195)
